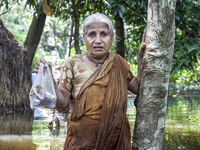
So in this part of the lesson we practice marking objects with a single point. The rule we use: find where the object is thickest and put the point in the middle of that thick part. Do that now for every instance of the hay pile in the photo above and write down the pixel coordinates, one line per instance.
(15, 72)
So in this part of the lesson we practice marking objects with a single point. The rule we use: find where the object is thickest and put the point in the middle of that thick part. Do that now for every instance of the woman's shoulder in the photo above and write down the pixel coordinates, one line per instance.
(72, 60)
(74, 57)
(122, 61)
(121, 58)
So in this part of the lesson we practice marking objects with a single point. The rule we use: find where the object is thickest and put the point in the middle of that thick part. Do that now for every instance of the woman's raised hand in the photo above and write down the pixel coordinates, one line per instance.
(42, 60)
(142, 45)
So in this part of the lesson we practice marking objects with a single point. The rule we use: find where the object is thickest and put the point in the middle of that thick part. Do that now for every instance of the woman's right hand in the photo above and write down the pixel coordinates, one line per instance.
(42, 60)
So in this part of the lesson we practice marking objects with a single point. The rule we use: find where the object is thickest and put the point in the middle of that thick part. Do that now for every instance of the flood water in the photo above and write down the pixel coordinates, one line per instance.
(32, 130)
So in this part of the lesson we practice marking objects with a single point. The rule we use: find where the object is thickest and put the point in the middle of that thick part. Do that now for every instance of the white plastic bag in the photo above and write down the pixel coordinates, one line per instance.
(42, 93)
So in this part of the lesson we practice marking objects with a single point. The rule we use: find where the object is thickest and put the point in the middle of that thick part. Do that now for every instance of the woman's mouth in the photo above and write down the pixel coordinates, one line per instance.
(98, 47)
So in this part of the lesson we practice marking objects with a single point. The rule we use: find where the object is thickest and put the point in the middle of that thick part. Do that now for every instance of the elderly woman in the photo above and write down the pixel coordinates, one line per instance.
(95, 86)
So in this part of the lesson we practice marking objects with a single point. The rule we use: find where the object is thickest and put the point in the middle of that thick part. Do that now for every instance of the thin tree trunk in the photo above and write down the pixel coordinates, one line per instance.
(155, 73)
(93, 7)
(70, 38)
(15, 72)
(76, 20)
(120, 45)
(34, 34)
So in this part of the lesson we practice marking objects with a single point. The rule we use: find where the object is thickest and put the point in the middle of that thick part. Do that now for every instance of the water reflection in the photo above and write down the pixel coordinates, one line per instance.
(38, 129)
(182, 124)
(16, 130)
(46, 135)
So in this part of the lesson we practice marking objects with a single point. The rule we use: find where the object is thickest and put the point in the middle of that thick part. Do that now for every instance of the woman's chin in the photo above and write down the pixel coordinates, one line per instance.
(99, 54)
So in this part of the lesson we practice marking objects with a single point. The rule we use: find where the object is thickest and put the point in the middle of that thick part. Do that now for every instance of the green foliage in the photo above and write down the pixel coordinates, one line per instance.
(186, 77)
(116, 6)
(54, 3)
(7, 3)
(188, 17)
(186, 52)
(187, 42)
(55, 35)
(73, 51)
(36, 58)
(17, 21)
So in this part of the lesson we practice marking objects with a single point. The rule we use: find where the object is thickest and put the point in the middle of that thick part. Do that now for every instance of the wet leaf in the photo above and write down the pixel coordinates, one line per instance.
(54, 3)
(46, 8)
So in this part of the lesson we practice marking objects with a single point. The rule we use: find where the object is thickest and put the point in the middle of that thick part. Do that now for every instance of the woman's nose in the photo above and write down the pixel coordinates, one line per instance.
(98, 39)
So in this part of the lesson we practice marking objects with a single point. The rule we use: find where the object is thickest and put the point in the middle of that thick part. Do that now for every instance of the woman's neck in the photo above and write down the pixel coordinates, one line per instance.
(95, 62)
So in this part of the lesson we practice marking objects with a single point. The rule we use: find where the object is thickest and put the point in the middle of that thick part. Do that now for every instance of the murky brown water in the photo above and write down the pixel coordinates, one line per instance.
(30, 130)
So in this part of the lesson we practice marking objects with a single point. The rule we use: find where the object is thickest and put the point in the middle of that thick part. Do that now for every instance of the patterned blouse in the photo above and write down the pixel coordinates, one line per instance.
(74, 74)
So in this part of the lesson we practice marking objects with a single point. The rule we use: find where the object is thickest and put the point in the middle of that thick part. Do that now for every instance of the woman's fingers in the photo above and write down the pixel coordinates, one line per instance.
(49, 64)
(143, 45)
(42, 60)
(38, 63)
(141, 50)
(144, 34)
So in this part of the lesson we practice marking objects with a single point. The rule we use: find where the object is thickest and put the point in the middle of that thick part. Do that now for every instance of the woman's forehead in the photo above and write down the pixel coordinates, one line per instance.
(98, 26)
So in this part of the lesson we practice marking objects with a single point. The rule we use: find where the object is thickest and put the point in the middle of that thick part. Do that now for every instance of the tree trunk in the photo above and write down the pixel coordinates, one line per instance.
(70, 38)
(154, 78)
(34, 34)
(15, 72)
(76, 20)
(120, 45)
(93, 7)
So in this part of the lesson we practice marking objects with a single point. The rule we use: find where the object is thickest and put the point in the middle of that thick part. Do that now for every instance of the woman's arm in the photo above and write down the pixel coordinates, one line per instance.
(134, 84)
(63, 95)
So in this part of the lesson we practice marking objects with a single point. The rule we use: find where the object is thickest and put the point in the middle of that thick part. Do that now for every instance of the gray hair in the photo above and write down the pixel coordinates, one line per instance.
(98, 17)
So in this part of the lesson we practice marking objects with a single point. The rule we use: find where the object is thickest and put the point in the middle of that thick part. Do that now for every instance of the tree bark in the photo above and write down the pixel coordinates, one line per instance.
(70, 38)
(15, 72)
(154, 78)
(120, 39)
(34, 34)
(76, 16)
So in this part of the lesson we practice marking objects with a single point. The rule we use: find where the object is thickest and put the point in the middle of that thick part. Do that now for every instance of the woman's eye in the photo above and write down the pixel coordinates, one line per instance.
(104, 34)
(91, 35)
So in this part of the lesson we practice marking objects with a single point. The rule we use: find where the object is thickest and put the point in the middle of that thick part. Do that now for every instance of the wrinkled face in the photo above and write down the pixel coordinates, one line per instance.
(98, 40)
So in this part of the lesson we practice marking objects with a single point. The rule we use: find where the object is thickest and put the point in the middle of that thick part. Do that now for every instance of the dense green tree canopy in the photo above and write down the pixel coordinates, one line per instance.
(134, 14)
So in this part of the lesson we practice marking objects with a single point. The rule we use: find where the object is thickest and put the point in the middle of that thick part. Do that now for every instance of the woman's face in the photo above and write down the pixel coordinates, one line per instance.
(98, 40)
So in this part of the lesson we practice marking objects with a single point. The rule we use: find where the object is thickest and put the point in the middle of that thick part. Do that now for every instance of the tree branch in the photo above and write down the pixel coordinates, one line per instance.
(135, 12)
(9, 8)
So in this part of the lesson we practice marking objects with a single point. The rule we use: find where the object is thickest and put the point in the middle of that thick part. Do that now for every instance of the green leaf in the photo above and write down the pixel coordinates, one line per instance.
(121, 14)
(115, 11)
(122, 8)
(192, 48)
(54, 3)
(133, 4)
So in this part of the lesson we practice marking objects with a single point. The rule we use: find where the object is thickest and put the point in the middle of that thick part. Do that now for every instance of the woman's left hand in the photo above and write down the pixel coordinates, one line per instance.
(142, 45)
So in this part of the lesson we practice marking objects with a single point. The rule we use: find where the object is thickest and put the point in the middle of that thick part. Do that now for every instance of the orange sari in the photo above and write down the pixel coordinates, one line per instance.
(99, 117)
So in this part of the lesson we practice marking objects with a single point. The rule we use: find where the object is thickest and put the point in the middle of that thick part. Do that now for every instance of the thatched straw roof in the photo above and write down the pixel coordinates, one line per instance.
(15, 72)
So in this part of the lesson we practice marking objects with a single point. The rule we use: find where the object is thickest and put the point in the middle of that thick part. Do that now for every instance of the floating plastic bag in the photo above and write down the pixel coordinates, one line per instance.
(42, 93)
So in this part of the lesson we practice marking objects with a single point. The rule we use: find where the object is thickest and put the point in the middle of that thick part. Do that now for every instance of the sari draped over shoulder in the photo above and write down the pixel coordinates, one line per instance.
(105, 127)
